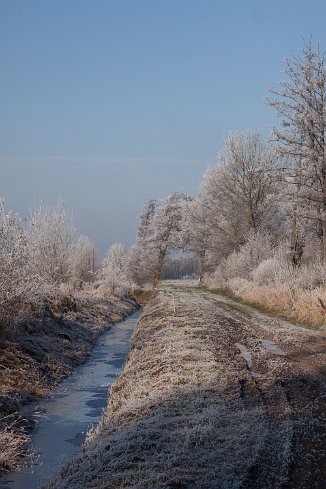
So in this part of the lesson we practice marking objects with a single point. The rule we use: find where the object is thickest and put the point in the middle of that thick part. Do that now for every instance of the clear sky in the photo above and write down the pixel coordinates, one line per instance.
(106, 103)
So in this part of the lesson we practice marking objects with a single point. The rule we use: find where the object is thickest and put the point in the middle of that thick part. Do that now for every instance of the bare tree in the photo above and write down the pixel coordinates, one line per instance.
(238, 191)
(142, 256)
(197, 232)
(300, 104)
(114, 271)
(52, 237)
(82, 261)
(167, 229)
(19, 281)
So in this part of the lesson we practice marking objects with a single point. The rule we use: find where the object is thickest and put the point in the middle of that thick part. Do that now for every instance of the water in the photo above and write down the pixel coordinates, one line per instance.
(73, 408)
(273, 348)
(245, 353)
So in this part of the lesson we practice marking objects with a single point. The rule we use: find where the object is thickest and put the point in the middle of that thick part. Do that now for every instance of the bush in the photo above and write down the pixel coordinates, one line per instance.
(20, 283)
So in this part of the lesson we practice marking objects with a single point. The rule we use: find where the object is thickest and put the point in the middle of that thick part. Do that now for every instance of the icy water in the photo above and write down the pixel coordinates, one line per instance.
(73, 408)
(245, 353)
(273, 348)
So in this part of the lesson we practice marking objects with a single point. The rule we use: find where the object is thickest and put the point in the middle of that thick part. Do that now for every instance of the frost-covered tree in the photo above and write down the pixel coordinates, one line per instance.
(19, 280)
(51, 241)
(168, 230)
(142, 256)
(160, 231)
(238, 191)
(300, 104)
(114, 273)
(82, 260)
(197, 232)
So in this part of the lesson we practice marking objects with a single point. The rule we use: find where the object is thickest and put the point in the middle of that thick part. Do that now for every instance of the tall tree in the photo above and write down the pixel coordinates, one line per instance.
(197, 232)
(142, 257)
(167, 229)
(159, 231)
(237, 191)
(300, 104)
(114, 271)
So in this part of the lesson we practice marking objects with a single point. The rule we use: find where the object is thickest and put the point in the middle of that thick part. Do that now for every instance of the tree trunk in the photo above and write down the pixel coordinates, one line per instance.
(158, 270)
(296, 250)
(201, 267)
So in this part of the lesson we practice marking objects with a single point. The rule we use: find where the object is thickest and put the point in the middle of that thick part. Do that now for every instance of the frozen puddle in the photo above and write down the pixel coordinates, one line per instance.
(74, 407)
(245, 353)
(272, 347)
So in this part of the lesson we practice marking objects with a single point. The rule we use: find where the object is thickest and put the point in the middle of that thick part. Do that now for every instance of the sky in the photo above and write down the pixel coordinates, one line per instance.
(107, 103)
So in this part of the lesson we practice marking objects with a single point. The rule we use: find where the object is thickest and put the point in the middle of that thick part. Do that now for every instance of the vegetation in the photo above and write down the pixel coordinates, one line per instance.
(258, 226)
(208, 398)
(55, 298)
(257, 230)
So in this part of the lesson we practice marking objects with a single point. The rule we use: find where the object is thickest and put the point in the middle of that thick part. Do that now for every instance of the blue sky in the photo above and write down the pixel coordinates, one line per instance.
(106, 103)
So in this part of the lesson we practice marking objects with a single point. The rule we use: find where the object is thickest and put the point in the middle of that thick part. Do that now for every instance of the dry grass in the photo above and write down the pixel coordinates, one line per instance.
(143, 295)
(300, 305)
(13, 443)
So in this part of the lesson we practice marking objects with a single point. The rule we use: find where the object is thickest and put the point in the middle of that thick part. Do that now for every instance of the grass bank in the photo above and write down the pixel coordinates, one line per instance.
(305, 307)
(44, 348)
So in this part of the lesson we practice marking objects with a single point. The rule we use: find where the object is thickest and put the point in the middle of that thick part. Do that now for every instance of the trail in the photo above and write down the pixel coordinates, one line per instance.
(214, 395)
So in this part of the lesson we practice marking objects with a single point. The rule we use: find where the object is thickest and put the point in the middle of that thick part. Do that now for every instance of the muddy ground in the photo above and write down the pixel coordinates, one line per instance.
(214, 395)
(40, 353)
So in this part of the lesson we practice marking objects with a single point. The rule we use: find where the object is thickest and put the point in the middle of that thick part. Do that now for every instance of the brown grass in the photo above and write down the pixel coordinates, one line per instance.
(306, 307)
(142, 296)
(300, 305)
(13, 443)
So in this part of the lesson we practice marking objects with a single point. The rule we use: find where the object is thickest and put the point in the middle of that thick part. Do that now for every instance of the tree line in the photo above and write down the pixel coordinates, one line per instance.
(258, 220)
(260, 217)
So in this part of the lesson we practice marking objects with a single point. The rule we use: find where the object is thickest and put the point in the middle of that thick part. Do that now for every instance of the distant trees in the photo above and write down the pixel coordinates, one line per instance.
(114, 273)
(167, 230)
(83, 262)
(236, 200)
(198, 233)
(159, 231)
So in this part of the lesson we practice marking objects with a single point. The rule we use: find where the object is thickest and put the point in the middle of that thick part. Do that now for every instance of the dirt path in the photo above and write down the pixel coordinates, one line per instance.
(281, 367)
(214, 395)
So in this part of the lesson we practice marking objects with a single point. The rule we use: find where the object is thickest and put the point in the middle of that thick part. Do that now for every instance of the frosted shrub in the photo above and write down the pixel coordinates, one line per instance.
(82, 261)
(271, 272)
(19, 281)
(52, 239)
(113, 275)
(239, 286)
(240, 264)
(309, 277)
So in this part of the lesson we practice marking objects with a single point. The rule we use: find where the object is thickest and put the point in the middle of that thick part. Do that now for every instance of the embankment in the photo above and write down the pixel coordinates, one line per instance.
(39, 354)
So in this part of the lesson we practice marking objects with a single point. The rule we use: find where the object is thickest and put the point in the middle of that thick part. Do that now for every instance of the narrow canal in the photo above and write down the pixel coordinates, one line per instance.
(74, 408)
